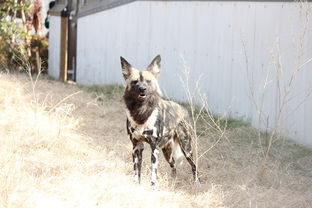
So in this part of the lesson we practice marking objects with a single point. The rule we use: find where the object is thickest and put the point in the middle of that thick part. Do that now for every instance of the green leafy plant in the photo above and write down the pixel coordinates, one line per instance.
(18, 47)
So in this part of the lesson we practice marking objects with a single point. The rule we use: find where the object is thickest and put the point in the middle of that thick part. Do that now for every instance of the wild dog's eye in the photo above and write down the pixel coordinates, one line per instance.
(134, 82)
(148, 81)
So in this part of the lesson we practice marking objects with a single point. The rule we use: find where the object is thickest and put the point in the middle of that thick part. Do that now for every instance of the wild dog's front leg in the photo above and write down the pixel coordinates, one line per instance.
(154, 160)
(138, 148)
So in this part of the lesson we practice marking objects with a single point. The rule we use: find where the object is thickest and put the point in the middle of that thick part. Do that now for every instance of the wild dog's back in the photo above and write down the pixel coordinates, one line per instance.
(172, 114)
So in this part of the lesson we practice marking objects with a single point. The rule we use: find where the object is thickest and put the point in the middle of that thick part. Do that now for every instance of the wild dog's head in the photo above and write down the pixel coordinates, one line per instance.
(141, 85)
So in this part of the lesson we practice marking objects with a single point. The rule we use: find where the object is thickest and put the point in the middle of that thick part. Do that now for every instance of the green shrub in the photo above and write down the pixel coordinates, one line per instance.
(17, 46)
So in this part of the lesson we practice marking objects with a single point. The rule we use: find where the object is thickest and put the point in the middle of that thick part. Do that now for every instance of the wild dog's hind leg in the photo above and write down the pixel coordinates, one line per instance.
(187, 151)
(168, 153)
(185, 143)
(138, 148)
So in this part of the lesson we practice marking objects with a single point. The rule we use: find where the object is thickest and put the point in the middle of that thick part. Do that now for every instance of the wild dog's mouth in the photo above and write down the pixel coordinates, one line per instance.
(142, 95)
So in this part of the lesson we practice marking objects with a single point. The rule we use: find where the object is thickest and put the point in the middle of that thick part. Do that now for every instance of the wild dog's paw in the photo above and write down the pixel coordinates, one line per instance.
(154, 186)
(136, 179)
(198, 182)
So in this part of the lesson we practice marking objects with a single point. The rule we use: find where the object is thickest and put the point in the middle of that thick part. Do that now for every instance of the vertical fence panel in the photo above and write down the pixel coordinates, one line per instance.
(243, 50)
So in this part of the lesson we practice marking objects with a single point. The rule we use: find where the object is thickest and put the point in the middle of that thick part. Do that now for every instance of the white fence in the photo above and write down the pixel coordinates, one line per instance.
(245, 52)
(54, 46)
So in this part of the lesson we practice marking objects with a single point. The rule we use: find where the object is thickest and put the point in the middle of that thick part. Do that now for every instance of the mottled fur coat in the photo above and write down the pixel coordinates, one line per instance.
(163, 124)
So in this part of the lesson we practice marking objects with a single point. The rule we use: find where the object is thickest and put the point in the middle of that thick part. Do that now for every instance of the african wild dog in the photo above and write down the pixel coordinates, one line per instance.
(162, 124)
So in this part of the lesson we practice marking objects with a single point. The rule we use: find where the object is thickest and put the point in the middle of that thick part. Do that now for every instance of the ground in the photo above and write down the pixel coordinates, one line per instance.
(63, 145)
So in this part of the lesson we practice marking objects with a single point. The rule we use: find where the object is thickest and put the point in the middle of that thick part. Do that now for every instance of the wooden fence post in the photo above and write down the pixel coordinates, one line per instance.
(38, 61)
(64, 48)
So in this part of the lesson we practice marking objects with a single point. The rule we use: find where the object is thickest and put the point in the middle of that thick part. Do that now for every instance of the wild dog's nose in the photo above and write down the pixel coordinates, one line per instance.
(142, 88)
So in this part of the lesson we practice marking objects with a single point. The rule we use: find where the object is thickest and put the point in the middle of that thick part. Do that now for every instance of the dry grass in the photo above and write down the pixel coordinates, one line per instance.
(63, 146)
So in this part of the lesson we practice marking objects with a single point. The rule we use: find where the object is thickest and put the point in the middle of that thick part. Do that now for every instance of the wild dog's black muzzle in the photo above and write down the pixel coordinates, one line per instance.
(141, 89)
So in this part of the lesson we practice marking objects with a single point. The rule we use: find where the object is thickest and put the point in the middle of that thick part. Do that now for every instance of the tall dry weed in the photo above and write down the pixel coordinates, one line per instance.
(37, 144)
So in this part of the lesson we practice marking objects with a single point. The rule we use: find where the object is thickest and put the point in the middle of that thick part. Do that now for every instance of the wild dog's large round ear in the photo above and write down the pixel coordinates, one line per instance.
(154, 66)
(126, 68)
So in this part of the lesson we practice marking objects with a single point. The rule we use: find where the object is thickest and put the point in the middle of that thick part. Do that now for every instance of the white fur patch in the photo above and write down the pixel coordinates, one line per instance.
(154, 131)
(177, 153)
(136, 178)
(150, 123)
(154, 166)
(165, 131)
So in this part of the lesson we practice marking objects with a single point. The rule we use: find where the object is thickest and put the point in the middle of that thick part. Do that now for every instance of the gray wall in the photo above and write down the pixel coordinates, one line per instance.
(211, 36)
